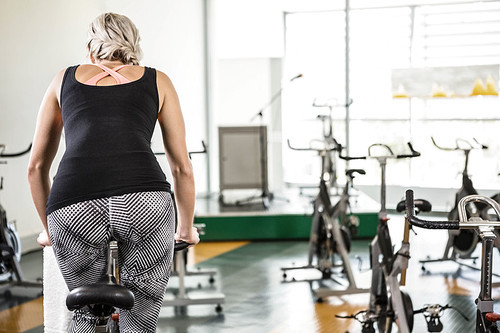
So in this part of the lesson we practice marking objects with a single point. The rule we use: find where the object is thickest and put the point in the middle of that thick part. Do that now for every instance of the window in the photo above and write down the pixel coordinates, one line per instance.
(383, 40)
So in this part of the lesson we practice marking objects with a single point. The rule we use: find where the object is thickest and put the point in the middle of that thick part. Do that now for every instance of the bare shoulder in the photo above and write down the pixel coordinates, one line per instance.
(163, 80)
(59, 76)
(55, 85)
(166, 88)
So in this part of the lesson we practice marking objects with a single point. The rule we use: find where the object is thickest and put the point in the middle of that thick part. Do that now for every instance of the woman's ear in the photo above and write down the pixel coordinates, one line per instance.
(91, 57)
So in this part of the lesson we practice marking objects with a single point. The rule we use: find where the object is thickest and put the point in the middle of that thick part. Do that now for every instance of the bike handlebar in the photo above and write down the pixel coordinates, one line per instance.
(414, 153)
(457, 146)
(410, 214)
(463, 222)
(203, 151)
(337, 147)
(2, 155)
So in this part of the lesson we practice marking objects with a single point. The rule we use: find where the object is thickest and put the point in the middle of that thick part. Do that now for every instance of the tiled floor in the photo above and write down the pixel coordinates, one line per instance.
(257, 300)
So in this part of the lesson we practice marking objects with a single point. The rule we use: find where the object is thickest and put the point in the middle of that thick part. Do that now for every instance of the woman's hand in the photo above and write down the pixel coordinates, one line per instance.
(192, 237)
(43, 239)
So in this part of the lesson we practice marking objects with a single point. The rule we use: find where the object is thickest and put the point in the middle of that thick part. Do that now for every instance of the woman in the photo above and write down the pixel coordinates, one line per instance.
(109, 183)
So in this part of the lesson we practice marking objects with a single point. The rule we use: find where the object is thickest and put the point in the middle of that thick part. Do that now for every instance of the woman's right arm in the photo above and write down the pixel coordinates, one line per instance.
(45, 144)
(174, 139)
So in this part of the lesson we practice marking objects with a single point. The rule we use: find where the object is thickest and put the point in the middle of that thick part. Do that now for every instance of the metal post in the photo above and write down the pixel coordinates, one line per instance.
(207, 79)
(347, 92)
(383, 163)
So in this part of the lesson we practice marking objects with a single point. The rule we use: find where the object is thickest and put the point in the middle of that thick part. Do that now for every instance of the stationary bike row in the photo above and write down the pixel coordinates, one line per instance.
(388, 304)
(329, 162)
(11, 274)
(104, 297)
(462, 243)
(329, 236)
(486, 319)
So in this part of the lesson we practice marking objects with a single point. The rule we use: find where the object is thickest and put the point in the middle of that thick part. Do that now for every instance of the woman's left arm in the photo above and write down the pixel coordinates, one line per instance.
(45, 144)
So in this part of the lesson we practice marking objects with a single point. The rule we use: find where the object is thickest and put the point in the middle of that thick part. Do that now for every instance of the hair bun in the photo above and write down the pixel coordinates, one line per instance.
(114, 37)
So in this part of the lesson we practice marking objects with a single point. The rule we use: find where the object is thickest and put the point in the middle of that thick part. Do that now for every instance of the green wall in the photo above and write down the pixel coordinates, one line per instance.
(272, 227)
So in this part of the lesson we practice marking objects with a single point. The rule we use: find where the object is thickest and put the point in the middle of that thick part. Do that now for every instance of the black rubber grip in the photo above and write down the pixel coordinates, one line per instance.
(350, 158)
(179, 246)
(414, 153)
(410, 209)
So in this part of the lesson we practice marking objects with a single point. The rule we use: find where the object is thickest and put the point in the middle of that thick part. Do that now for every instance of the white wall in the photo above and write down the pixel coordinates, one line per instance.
(42, 37)
(248, 44)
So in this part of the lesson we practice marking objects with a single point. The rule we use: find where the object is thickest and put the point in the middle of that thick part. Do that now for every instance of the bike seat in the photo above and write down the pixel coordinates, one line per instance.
(350, 172)
(103, 292)
(420, 204)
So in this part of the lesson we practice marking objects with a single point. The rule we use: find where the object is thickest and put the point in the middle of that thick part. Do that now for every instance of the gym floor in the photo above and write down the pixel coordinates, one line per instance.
(257, 299)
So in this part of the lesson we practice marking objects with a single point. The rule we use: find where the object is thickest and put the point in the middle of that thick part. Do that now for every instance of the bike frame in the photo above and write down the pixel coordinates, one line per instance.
(9, 241)
(329, 216)
(451, 252)
(385, 273)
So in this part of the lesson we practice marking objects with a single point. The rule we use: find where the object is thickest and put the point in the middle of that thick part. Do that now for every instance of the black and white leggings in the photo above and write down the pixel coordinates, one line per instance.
(143, 225)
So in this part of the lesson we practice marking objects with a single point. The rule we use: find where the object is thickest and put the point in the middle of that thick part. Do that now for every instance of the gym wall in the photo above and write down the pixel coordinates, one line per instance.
(42, 37)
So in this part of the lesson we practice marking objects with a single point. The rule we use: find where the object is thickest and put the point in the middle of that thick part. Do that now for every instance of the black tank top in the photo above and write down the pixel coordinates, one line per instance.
(108, 132)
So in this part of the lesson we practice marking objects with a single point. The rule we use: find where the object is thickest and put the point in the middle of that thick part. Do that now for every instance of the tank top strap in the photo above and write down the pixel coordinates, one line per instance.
(120, 79)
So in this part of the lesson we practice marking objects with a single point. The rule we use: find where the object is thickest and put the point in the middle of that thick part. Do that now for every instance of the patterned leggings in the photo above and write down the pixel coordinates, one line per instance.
(143, 225)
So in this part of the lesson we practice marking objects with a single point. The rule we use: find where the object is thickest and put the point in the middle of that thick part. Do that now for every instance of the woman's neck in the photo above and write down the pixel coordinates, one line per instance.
(110, 64)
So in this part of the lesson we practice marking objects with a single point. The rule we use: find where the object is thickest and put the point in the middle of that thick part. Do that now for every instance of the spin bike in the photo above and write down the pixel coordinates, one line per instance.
(102, 298)
(329, 236)
(486, 319)
(11, 274)
(329, 162)
(388, 304)
(461, 243)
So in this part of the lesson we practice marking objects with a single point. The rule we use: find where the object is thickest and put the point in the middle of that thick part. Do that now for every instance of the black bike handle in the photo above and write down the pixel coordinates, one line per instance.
(349, 158)
(410, 215)
(414, 153)
(179, 246)
(17, 154)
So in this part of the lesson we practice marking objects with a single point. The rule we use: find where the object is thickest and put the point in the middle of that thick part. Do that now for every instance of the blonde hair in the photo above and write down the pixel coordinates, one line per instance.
(114, 37)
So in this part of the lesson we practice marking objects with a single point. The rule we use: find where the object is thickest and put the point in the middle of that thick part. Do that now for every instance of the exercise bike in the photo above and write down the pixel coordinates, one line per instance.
(330, 161)
(104, 297)
(330, 232)
(11, 274)
(461, 243)
(388, 304)
(486, 319)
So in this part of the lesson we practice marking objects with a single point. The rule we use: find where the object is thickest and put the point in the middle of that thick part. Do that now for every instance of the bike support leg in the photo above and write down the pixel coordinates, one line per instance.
(341, 249)
(397, 299)
(376, 287)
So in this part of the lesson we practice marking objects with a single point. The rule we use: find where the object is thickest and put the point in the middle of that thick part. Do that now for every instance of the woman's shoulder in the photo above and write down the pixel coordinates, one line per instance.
(163, 79)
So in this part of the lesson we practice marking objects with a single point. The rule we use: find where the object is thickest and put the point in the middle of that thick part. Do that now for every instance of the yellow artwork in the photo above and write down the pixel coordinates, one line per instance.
(478, 88)
(400, 93)
(438, 91)
(491, 88)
